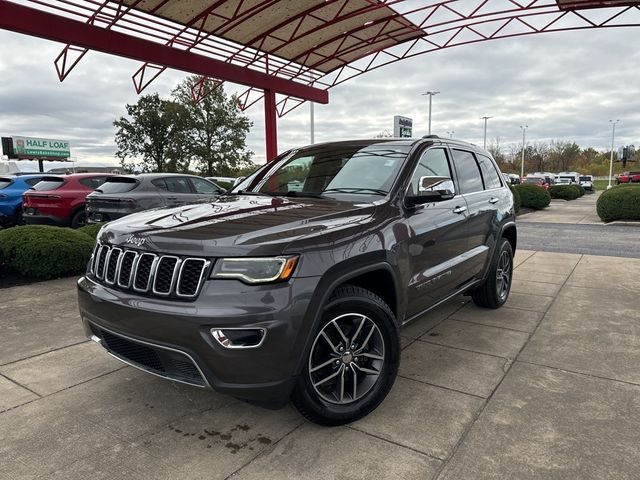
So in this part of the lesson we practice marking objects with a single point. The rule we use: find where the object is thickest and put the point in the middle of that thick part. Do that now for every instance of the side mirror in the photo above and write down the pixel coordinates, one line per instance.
(432, 189)
(237, 181)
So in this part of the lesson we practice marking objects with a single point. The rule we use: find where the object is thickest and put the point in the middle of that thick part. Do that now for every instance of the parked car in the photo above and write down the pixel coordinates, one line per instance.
(586, 182)
(628, 177)
(549, 176)
(125, 194)
(269, 294)
(573, 177)
(60, 200)
(511, 178)
(11, 189)
(540, 181)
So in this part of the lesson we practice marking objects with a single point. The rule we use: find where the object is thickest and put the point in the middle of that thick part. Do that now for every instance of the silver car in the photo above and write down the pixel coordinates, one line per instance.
(122, 195)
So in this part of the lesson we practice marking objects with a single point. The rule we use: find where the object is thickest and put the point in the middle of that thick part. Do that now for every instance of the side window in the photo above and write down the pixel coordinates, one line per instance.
(489, 173)
(432, 163)
(159, 183)
(87, 182)
(468, 171)
(178, 184)
(202, 186)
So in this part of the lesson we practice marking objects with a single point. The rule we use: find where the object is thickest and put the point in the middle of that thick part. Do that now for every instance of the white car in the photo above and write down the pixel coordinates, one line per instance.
(586, 182)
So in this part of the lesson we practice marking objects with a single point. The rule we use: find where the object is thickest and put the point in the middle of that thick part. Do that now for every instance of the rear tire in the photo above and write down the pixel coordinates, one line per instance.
(353, 360)
(496, 288)
(79, 219)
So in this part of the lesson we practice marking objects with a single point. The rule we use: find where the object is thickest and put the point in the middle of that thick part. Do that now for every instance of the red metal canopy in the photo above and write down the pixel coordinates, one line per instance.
(298, 49)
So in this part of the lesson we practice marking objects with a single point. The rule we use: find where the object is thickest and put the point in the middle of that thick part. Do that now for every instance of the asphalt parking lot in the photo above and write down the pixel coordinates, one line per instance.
(547, 387)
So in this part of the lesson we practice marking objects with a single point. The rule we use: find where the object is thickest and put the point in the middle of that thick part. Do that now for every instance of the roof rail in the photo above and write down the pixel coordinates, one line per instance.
(430, 136)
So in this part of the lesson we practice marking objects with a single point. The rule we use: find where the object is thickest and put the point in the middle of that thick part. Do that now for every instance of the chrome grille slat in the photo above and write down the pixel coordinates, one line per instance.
(148, 273)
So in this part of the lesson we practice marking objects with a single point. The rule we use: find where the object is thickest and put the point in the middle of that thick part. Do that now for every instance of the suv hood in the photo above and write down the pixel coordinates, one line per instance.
(235, 225)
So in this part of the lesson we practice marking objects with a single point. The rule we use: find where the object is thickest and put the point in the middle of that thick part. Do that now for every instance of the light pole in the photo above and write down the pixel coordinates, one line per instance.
(613, 136)
(311, 123)
(451, 133)
(431, 94)
(524, 129)
(485, 118)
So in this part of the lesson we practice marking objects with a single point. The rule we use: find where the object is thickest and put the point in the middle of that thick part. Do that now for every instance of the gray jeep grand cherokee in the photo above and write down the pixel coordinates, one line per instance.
(295, 283)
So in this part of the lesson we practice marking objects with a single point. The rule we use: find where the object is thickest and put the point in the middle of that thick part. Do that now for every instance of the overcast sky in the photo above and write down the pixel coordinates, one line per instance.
(565, 86)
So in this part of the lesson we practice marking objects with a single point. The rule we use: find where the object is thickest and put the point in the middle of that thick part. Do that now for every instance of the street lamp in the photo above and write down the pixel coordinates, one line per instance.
(485, 118)
(524, 129)
(431, 94)
(451, 133)
(613, 135)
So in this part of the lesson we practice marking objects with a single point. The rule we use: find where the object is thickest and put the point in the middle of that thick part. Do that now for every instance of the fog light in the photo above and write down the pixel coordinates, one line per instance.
(239, 337)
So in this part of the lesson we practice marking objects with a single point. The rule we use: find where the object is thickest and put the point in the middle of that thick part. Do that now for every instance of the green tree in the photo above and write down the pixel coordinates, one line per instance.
(150, 138)
(216, 130)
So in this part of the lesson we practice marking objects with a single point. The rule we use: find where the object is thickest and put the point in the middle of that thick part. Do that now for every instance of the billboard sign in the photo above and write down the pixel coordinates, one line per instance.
(402, 127)
(29, 147)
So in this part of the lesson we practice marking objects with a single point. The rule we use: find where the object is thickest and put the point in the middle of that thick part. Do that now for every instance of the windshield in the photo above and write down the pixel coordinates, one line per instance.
(5, 182)
(118, 185)
(585, 179)
(48, 183)
(350, 169)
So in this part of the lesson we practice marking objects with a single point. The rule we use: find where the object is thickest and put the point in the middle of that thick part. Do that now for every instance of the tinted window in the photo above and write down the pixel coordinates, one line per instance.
(585, 179)
(489, 173)
(432, 163)
(92, 182)
(5, 182)
(468, 172)
(32, 181)
(118, 185)
(203, 186)
(177, 184)
(48, 183)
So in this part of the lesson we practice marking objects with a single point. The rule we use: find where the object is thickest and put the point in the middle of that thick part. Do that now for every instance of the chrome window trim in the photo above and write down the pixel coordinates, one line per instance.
(205, 267)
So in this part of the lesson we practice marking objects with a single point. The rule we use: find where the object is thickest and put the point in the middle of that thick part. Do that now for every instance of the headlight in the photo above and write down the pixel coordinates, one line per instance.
(255, 270)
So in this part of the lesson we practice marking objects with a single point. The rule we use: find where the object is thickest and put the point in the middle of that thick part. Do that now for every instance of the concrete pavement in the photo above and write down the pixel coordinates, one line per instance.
(579, 211)
(546, 387)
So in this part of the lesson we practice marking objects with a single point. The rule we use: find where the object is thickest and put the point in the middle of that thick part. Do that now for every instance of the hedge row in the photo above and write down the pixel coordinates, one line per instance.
(619, 203)
(42, 251)
(517, 201)
(533, 196)
(566, 192)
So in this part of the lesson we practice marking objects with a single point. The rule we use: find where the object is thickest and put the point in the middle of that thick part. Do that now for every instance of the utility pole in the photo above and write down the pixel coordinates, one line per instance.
(312, 122)
(524, 129)
(431, 94)
(485, 130)
(613, 136)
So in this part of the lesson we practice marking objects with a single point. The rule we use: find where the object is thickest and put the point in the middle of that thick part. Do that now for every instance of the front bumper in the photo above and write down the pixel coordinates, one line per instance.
(264, 375)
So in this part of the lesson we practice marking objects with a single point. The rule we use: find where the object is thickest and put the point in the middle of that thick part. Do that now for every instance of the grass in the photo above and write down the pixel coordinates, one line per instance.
(601, 184)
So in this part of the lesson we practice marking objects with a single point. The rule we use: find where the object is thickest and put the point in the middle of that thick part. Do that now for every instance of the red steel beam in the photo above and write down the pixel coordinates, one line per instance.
(38, 23)
(270, 124)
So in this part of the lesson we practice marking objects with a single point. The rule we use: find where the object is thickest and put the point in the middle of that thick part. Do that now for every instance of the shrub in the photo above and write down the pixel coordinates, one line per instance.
(563, 192)
(579, 189)
(516, 199)
(42, 251)
(533, 196)
(92, 229)
(619, 203)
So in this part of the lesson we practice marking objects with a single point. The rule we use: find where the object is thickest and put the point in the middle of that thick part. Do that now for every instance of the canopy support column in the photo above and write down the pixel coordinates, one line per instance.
(270, 124)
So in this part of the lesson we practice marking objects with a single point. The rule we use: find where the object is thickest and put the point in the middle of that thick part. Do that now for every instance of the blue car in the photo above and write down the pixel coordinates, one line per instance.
(11, 189)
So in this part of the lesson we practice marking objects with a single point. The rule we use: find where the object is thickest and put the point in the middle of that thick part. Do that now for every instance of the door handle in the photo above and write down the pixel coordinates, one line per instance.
(459, 209)
(172, 198)
(494, 200)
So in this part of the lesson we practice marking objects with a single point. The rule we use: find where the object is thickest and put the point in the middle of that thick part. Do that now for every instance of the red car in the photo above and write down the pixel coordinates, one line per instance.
(628, 177)
(59, 199)
(540, 181)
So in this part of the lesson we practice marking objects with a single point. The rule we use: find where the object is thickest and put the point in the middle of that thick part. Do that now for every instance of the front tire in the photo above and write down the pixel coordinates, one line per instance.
(495, 290)
(353, 360)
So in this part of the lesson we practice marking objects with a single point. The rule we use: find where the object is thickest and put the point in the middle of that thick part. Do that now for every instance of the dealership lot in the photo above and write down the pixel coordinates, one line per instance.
(547, 387)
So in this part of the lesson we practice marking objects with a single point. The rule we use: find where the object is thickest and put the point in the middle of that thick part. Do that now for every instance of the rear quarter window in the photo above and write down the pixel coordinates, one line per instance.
(5, 182)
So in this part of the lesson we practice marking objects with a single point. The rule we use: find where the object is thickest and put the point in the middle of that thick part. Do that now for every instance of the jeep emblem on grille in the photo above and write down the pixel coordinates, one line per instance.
(137, 241)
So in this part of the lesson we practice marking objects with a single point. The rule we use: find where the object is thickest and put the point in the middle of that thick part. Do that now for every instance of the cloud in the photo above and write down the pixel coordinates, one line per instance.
(564, 86)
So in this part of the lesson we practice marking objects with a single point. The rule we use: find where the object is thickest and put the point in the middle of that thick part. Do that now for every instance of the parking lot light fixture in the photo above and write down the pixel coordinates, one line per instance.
(451, 133)
(613, 136)
(524, 129)
(485, 118)
(431, 94)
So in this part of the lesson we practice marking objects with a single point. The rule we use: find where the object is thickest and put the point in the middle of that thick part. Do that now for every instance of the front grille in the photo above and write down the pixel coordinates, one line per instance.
(148, 273)
(162, 361)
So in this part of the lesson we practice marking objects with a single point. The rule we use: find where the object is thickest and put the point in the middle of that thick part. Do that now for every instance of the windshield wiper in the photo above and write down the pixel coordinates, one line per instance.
(293, 193)
(375, 191)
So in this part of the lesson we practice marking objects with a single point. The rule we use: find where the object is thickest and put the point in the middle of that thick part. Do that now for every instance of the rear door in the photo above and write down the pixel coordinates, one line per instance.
(437, 238)
(179, 191)
(482, 189)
